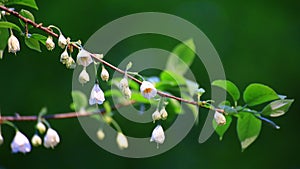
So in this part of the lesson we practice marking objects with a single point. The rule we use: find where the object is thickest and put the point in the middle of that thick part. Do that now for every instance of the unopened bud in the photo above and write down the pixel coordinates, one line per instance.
(220, 118)
(41, 127)
(163, 113)
(64, 57)
(83, 77)
(100, 134)
(36, 140)
(156, 116)
(13, 44)
(126, 92)
(104, 74)
(70, 63)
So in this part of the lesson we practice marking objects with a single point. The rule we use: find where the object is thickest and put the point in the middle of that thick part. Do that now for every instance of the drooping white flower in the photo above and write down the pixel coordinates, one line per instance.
(83, 77)
(163, 113)
(64, 57)
(97, 95)
(104, 74)
(51, 138)
(148, 90)
(220, 118)
(122, 141)
(20, 143)
(36, 140)
(62, 41)
(100, 134)
(158, 135)
(1, 139)
(84, 58)
(41, 127)
(13, 44)
(156, 116)
(50, 45)
(70, 63)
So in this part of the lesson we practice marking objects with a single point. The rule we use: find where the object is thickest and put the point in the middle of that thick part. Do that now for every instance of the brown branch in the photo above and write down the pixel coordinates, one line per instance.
(50, 32)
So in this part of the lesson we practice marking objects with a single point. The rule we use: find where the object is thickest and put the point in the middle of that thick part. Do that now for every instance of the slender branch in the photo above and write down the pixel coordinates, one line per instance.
(50, 32)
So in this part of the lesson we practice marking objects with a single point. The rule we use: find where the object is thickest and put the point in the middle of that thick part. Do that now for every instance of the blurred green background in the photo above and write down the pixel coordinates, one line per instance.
(258, 41)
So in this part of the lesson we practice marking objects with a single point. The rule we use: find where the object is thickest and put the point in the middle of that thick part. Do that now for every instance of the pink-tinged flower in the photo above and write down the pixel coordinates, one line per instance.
(84, 58)
(20, 143)
(220, 118)
(148, 90)
(97, 95)
(158, 135)
(13, 44)
(51, 138)
(122, 141)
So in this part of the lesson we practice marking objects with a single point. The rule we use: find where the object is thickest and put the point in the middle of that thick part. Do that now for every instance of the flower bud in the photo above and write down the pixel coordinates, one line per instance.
(83, 77)
(64, 57)
(123, 83)
(62, 41)
(36, 140)
(163, 113)
(41, 127)
(220, 118)
(126, 92)
(70, 63)
(51, 138)
(158, 135)
(122, 141)
(148, 90)
(156, 116)
(49, 43)
(13, 44)
(100, 134)
(104, 74)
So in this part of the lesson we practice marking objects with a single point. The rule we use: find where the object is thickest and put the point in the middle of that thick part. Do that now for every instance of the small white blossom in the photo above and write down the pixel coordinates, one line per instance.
(84, 58)
(36, 140)
(122, 141)
(104, 74)
(20, 143)
(156, 116)
(158, 135)
(100, 134)
(13, 44)
(41, 127)
(62, 41)
(97, 95)
(83, 77)
(148, 90)
(50, 45)
(64, 57)
(51, 138)
(163, 113)
(220, 118)
(70, 63)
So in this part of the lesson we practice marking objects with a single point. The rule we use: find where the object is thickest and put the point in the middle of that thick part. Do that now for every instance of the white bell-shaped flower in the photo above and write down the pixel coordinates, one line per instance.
(122, 141)
(148, 90)
(163, 113)
(62, 41)
(20, 143)
(220, 118)
(126, 92)
(156, 116)
(84, 58)
(41, 127)
(158, 135)
(50, 45)
(83, 77)
(13, 44)
(51, 138)
(97, 95)
(64, 57)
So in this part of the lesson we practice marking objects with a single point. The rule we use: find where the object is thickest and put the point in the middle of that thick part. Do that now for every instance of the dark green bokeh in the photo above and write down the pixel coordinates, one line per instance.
(258, 41)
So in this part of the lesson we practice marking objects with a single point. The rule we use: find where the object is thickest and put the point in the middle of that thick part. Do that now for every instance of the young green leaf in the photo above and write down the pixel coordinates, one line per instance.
(27, 15)
(79, 100)
(185, 57)
(277, 108)
(248, 128)
(168, 76)
(221, 130)
(256, 94)
(33, 44)
(29, 3)
(41, 38)
(3, 40)
(5, 24)
(175, 106)
(229, 87)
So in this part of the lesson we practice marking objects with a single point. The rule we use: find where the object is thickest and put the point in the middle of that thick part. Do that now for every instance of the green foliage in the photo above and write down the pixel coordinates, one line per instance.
(3, 39)
(248, 128)
(221, 130)
(256, 94)
(32, 43)
(29, 3)
(277, 108)
(41, 38)
(5, 24)
(229, 87)
(79, 100)
(27, 14)
(186, 55)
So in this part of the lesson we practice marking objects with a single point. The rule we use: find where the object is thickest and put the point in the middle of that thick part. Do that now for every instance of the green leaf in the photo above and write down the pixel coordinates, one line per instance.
(221, 130)
(41, 38)
(107, 107)
(29, 3)
(256, 94)
(139, 98)
(229, 87)
(228, 109)
(3, 40)
(277, 108)
(173, 78)
(185, 57)
(79, 100)
(33, 44)
(27, 15)
(248, 128)
(113, 93)
(175, 106)
(5, 24)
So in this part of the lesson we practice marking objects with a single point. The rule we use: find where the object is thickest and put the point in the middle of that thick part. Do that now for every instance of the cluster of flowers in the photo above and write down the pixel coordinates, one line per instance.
(21, 143)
